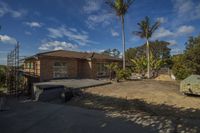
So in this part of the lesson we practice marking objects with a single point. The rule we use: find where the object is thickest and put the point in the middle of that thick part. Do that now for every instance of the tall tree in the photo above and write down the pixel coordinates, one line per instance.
(189, 62)
(121, 8)
(112, 52)
(106, 52)
(131, 53)
(159, 49)
(192, 54)
(146, 31)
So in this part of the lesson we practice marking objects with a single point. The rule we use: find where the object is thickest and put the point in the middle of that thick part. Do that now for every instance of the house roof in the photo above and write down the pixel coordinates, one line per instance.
(74, 54)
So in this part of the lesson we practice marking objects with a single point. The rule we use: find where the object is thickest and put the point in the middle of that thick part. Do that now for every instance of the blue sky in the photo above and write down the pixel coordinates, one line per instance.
(90, 25)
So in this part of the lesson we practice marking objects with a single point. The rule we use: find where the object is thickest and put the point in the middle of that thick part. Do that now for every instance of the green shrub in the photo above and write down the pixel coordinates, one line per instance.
(2, 76)
(180, 71)
(112, 68)
(180, 68)
(120, 74)
(123, 74)
(189, 62)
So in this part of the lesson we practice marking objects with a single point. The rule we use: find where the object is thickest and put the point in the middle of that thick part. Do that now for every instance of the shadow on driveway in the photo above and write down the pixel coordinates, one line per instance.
(38, 117)
(161, 118)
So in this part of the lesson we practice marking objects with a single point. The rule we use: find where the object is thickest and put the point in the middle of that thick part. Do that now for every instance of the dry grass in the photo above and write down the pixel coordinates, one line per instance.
(150, 91)
(151, 103)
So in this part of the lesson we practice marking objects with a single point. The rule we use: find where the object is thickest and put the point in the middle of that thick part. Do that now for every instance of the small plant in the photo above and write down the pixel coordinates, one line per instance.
(140, 65)
(117, 72)
(180, 69)
(112, 68)
(155, 65)
(2, 76)
(122, 74)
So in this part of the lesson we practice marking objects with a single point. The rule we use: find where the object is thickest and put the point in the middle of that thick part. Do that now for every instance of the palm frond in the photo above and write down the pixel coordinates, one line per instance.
(146, 28)
(138, 33)
(155, 26)
(127, 4)
(120, 6)
(111, 4)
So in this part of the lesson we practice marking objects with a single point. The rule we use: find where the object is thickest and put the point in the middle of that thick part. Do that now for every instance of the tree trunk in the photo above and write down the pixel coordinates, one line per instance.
(123, 43)
(148, 60)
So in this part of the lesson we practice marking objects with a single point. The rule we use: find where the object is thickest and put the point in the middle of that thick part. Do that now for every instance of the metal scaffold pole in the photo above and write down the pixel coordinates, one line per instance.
(13, 71)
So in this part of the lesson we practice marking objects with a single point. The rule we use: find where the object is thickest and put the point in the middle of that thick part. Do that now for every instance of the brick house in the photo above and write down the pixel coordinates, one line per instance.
(66, 64)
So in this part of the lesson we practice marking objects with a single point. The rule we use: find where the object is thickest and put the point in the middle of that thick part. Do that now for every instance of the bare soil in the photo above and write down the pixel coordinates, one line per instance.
(149, 103)
(150, 91)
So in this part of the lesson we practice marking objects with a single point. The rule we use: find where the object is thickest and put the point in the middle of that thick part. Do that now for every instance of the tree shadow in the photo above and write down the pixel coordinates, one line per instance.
(160, 117)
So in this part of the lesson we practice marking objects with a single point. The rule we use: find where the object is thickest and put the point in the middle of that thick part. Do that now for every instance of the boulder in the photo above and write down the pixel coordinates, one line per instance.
(191, 85)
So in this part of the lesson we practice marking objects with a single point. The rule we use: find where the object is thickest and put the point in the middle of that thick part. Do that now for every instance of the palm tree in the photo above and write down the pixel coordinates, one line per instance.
(121, 8)
(146, 31)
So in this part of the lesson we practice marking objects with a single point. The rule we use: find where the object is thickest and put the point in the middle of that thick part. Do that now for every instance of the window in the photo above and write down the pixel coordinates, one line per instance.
(29, 65)
(101, 69)
(60, 70)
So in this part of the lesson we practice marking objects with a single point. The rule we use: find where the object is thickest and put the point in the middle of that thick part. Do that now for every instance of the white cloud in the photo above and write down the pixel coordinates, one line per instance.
(92, 6)
(33, 24)
(161, 19)
(114, 33)
(57, 45)
(176, 51)
(103, 18)
(100, 51)
(183, 6)
(185, 29)
(187, 9)
(28, 33)
(6, 9)
(180, 31)
(172, 42)
(96, 15)
(72, 34)
(7, 39)
(56, 32)
(162, 32)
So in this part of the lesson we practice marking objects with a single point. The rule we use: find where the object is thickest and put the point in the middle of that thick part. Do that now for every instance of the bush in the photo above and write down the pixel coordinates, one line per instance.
(2, 76)
(120, 74)
(112, 68)
(180, 68)
(123, 74)
(180, 71)
(189, 62)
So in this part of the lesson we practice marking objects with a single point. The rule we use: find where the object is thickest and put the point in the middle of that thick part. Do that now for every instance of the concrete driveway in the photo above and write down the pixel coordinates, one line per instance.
(38, 117)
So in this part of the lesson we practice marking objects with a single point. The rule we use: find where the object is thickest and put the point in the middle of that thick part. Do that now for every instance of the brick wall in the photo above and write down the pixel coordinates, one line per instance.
(46, 67)
(84, 69)
(76, 68)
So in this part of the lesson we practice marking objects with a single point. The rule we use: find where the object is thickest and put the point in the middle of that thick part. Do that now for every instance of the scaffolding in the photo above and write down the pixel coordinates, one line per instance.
(13, 81)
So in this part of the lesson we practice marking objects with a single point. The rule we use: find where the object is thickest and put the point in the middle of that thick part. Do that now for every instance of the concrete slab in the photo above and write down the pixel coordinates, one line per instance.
(37, 117)
(46, 91)
(72, 83)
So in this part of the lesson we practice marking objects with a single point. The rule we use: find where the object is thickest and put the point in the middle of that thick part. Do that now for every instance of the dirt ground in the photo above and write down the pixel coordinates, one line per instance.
(150, 91)
(149, 103)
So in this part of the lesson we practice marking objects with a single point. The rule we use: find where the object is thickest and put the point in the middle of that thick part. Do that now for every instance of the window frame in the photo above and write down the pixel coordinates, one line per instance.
(60, 70)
